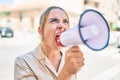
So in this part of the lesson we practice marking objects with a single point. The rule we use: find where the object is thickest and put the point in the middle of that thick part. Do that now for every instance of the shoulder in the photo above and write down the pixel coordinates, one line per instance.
(22, 59)
(26, 57)
(31, 58)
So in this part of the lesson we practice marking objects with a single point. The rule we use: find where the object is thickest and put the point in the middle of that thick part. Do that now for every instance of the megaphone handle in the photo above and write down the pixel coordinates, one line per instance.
(75, 76)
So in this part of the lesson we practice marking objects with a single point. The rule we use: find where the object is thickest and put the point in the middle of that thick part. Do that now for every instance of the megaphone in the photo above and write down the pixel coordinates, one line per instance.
(92, 30)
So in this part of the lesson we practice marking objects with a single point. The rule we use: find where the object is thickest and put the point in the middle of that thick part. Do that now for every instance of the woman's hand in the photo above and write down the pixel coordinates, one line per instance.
(73, 62)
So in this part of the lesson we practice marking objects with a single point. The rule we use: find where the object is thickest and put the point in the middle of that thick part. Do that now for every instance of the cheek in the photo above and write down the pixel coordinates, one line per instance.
(49, 38)
(51, 29)
(50, 33)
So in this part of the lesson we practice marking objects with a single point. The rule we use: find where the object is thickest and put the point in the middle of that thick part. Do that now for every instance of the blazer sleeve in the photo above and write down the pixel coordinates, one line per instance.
(22, 70)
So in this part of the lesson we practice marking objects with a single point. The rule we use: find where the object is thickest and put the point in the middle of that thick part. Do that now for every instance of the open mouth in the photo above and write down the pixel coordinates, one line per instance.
(57, 39)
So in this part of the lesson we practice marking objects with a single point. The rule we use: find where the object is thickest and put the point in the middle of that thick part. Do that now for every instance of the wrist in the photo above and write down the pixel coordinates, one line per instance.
(64, 75)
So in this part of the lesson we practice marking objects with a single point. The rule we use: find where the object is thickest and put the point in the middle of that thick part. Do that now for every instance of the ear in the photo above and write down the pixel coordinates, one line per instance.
(40, 30)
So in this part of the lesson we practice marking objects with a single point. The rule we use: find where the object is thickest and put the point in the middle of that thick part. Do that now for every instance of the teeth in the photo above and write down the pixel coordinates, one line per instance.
(58, 40)
(59, 34)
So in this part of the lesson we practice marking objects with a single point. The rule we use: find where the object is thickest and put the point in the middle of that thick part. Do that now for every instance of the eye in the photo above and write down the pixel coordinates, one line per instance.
(53, 20)
(65, 21)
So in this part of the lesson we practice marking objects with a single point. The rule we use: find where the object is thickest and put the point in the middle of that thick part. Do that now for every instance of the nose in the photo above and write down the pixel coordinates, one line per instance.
(62, 27)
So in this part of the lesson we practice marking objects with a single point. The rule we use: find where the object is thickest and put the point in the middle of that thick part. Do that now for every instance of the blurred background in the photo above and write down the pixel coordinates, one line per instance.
(19, 20)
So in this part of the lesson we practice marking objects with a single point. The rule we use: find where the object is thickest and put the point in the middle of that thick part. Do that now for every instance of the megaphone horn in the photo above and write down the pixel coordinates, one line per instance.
(92, 30)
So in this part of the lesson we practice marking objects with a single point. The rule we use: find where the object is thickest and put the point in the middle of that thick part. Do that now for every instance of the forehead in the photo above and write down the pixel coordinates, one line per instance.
(57, 13)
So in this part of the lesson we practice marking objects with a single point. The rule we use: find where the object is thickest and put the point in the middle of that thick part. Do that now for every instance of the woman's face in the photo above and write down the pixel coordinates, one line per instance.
(56, 23)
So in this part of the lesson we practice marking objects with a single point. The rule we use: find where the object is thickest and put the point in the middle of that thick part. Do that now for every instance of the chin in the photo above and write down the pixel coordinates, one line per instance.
(58, 47)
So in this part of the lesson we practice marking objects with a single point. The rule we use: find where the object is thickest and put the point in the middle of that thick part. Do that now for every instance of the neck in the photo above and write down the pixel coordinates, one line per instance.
(53, 55)
(49, 52)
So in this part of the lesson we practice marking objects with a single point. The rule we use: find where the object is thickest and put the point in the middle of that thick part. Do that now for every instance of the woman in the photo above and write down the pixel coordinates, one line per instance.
(48, 61)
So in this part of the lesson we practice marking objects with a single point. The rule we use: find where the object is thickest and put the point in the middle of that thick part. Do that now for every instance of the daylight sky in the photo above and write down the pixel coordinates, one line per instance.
(9, 2)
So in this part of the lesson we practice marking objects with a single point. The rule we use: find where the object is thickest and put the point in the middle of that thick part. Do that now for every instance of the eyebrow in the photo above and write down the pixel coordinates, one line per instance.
(52, 19)
(56, 19)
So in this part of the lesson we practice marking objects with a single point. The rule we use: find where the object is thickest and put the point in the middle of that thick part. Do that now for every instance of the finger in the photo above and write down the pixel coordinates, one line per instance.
(77, 54)
(79, 60)
(80, 64)
(75, 48)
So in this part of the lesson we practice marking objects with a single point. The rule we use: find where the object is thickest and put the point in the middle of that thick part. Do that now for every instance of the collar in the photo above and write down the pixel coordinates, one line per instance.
(41, 57)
